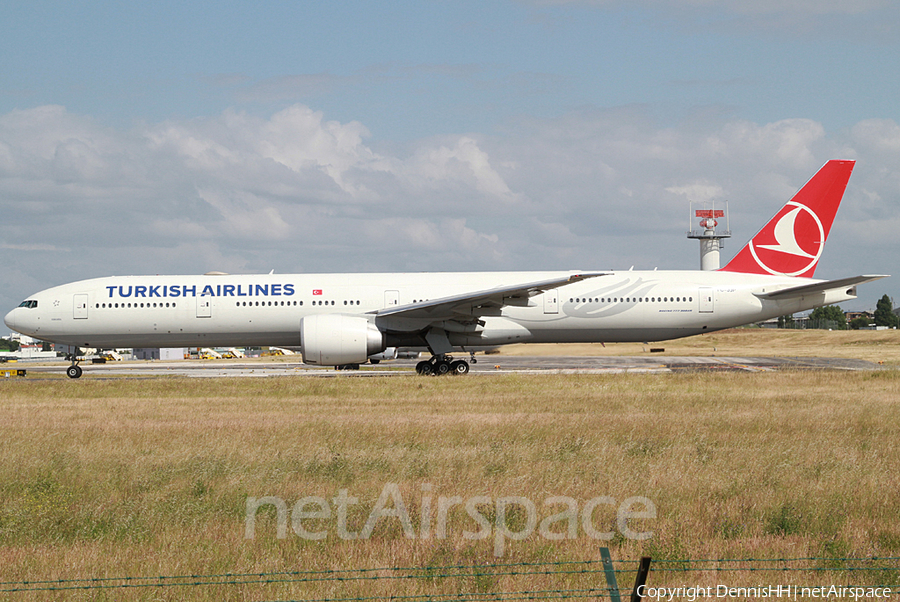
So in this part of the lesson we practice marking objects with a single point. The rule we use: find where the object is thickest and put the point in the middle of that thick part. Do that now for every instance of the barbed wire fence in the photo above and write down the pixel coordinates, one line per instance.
(873, 573)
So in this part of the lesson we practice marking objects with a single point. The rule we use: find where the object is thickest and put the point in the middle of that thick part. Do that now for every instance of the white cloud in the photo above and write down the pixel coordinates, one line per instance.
(296, 192)
(698, 192)
(47, 143)
(461, 160)
(882, 135)
(248, 186)
(31, 247)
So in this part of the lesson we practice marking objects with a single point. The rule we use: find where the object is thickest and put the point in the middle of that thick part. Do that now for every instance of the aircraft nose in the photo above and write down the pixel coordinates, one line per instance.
(10, 320)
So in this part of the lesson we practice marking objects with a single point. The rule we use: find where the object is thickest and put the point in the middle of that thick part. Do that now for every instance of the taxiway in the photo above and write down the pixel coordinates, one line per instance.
(486, 365)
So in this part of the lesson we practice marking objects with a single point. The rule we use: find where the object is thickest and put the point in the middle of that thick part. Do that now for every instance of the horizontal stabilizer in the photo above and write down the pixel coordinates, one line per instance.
(818, 287)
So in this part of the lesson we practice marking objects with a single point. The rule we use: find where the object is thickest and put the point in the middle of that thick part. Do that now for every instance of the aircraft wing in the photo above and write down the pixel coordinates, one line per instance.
(469, 305)
(818, 287)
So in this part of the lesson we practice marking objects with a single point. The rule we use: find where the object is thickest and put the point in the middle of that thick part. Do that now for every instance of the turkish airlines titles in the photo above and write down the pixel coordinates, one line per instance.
(220, 290)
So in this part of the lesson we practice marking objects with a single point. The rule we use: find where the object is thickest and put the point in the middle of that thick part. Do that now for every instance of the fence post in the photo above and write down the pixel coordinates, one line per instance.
(641, 578)
(610, 575)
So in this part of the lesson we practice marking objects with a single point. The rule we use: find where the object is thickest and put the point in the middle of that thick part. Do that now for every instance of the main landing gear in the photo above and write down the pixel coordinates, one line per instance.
(442, 364)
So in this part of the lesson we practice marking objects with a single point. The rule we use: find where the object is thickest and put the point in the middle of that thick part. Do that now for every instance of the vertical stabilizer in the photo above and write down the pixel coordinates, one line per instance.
(792, 242)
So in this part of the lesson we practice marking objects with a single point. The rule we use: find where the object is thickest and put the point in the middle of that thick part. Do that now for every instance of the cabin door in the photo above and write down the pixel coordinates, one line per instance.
(80, 307)
(707, 300)
(551, 302)
(204, 306)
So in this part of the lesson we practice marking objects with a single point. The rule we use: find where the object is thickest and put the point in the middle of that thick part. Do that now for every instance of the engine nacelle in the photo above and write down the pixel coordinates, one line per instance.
(334, 339)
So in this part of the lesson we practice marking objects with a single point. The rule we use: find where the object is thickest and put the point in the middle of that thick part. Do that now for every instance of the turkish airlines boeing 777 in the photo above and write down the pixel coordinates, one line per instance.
(340, 319)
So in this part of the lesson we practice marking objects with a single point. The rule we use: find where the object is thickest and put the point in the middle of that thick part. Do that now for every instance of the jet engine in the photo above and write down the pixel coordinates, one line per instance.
(334, 339)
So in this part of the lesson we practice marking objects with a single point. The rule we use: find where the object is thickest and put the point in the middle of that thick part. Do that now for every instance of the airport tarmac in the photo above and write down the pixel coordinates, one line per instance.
(497, 364)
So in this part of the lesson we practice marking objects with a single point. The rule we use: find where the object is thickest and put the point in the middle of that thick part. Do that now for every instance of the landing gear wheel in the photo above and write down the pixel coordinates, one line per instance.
(441, 365)
(459, 367)
(73, 371)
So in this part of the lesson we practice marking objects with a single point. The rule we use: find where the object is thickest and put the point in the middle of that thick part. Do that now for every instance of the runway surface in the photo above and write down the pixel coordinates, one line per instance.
(497, 364)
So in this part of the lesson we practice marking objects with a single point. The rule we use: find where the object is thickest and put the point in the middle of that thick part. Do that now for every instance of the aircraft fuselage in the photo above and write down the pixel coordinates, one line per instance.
(224, 310)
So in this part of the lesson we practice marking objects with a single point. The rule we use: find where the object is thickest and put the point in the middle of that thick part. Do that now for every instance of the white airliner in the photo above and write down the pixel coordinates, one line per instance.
(341, 319)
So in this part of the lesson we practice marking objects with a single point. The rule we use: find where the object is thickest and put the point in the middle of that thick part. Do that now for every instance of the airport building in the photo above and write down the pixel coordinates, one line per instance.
(30, 348)
(155, 353)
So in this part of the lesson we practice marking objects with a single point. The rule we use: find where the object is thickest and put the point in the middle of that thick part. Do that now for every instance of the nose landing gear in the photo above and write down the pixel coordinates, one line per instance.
(74, 371)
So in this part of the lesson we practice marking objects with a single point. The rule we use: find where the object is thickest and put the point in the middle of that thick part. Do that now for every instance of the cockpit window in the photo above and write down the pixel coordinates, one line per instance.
(29, 304)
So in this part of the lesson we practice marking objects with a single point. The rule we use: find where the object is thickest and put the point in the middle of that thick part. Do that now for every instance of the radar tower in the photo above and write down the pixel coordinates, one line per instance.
(710, 238)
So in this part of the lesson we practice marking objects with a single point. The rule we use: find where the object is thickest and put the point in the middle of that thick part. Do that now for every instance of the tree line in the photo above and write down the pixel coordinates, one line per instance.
(833, 317)
(7, 345)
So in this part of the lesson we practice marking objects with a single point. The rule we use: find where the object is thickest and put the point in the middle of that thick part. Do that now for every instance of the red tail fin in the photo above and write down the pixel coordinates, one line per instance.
(792, 242)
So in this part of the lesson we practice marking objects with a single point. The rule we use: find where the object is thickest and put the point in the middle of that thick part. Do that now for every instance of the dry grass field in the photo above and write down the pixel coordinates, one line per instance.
(108, 478)
(870, 345)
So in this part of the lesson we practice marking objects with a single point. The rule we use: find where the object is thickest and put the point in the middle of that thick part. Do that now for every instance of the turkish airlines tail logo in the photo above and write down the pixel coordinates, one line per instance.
(793, 240)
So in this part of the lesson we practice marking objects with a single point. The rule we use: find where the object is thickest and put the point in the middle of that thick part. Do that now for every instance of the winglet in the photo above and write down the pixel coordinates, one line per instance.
(792, 242)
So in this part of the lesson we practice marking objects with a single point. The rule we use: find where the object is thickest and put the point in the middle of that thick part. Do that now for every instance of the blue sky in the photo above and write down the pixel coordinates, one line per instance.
(185, 137)
(455, 65)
